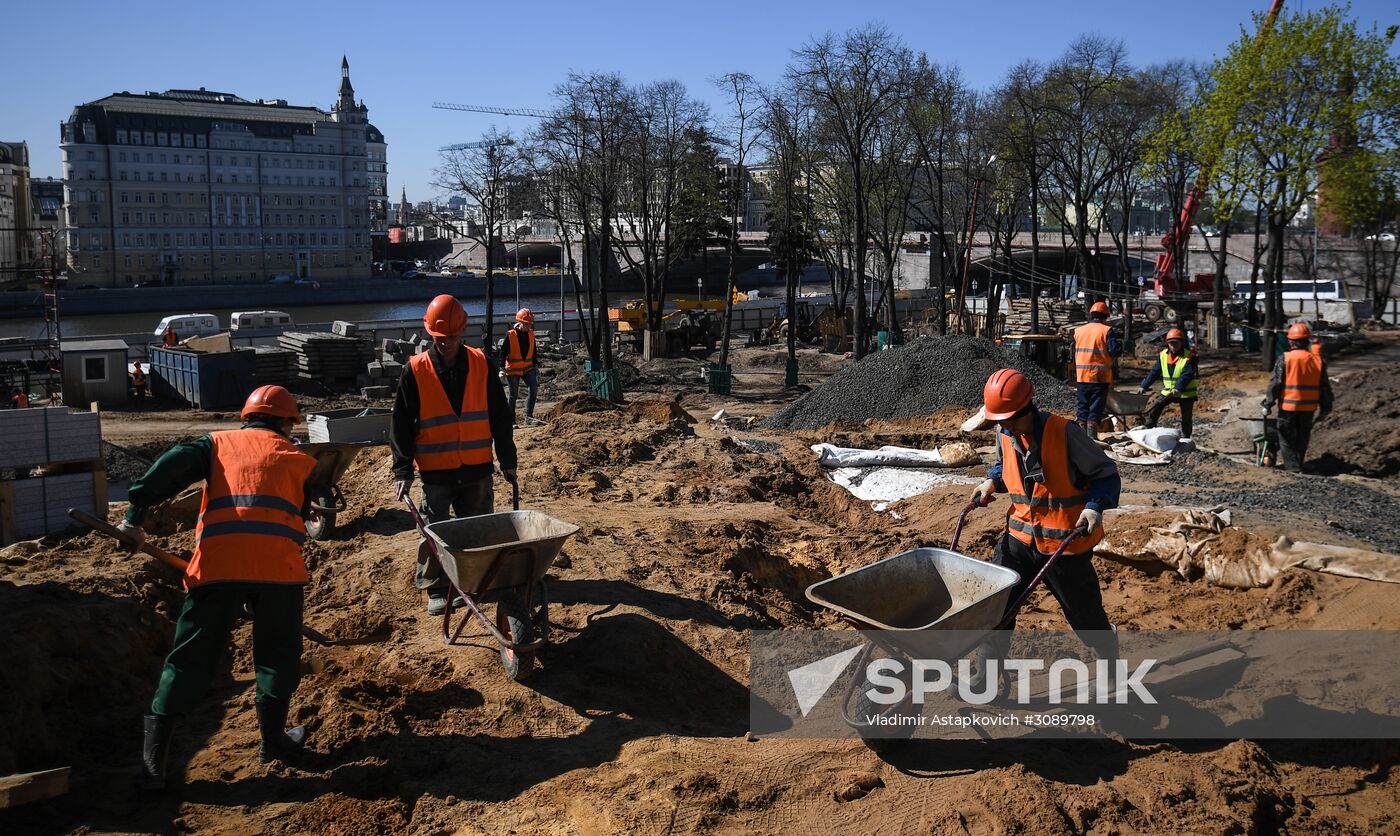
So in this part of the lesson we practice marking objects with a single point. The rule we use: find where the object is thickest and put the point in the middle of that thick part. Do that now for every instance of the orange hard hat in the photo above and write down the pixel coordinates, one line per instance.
(1299, 331)
(524, 315)
(1007, 392)
(271, 400)
(1099, 308)
(1176, 334)
(445, 317)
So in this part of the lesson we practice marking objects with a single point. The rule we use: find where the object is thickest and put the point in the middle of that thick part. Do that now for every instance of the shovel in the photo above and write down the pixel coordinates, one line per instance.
(176, 562)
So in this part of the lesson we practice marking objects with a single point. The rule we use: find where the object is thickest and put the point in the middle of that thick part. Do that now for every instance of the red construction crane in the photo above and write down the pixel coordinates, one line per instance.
(1166, 262)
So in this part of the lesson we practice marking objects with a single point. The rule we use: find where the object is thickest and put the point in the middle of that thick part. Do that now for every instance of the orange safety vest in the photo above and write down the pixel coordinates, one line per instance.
(1315, 349)
(1045, 517)
(138, 379)
(21, 401)
(1302, 381)
(250, 526)
(169, 338)
(444, 440)
(519, 361)
(1092, 362)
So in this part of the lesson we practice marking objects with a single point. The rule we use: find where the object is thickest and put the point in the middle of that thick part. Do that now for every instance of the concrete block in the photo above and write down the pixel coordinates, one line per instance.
(375, 392)
(344, 329)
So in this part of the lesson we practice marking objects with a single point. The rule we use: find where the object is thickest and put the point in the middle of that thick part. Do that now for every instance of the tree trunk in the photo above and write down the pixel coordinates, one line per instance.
(1222, 328)
(858, 348)
(487, 327)
(1273, 276)
(1035, 257)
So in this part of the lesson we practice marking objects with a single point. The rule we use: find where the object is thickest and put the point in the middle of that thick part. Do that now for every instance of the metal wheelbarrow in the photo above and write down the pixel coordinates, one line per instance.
(502, 556)
(1264, 432)
(333, 458)
(921, 590)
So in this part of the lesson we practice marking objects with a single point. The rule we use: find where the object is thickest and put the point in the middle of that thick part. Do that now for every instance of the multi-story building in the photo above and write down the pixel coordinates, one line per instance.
(197, 186)
(16, 230)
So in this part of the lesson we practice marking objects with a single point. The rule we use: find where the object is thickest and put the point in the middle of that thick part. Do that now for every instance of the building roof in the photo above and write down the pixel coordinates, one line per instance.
(91, 345)
(204, 104)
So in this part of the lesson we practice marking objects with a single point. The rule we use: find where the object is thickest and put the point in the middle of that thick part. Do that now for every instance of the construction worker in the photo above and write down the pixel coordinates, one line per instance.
(138, 384)
(18, 400)
(448, 412)
(1095, 346)
(1303, 393)
(1177, 369)
(168, 338)
(247, 553)
(1058, 481)
(519, 350)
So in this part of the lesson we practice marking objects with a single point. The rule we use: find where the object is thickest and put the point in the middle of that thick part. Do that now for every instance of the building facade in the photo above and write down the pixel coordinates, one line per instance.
(202, 187)
(16, 230)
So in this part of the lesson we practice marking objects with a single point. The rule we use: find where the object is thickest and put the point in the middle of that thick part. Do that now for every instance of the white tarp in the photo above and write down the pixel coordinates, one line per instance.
(882, 486)
(957, 454)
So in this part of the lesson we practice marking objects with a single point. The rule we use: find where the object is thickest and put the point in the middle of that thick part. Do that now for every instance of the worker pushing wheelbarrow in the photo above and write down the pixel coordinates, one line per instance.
(1059, 482)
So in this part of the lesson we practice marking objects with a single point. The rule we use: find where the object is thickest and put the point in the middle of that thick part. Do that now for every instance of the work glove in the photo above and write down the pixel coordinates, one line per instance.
(1089, 520)
(401, 487)
(984, 493)
(135, 532)
(510, 474)
(1142, 390)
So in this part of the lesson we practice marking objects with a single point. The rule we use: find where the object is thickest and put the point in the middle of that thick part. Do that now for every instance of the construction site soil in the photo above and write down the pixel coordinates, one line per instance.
(636, 719)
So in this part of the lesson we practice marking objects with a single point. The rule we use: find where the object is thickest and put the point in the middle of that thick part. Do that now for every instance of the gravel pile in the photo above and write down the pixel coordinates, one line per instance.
(918, 378)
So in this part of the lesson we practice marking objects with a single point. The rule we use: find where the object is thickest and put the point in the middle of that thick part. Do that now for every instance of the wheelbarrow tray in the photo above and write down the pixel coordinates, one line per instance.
(1266, 427)
(1125, 403)
(333, 458)
(497, 551)
(921, 589)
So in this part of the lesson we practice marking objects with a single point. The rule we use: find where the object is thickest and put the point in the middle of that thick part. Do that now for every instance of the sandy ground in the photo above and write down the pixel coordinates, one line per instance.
(635, 720)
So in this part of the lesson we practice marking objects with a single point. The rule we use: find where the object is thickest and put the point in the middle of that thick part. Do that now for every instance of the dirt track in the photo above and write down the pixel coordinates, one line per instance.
(635, 721)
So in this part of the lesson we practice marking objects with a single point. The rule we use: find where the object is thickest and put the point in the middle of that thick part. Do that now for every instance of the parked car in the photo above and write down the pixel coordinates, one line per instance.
(305, 282)
(412, 274)
(280, 279)
(1388, 237)
(464, 274)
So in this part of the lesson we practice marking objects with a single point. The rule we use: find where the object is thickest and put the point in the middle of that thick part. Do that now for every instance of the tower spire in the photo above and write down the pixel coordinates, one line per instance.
(346, 99)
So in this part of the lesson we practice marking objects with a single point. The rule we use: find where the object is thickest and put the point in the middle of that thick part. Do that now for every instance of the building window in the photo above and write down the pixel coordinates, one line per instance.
(94, 369)
(95, 241)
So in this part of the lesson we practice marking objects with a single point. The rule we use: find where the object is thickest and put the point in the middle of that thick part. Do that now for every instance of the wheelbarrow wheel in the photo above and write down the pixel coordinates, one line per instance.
(883, 739)
(515, 623)
(319, 524)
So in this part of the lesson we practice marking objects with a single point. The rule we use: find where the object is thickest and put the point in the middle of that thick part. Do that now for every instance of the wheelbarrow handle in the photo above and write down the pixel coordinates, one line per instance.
(1040, 576)
(514, 492)
(962, 518)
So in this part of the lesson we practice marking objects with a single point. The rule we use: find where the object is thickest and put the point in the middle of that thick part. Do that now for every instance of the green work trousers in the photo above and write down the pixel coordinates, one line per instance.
(201, 636)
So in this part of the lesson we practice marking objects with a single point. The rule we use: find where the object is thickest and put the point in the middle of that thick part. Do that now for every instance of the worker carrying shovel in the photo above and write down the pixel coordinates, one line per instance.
(1058, 481)
(1303, 393)
(449, 411)
(1177, 369)
(247, 553)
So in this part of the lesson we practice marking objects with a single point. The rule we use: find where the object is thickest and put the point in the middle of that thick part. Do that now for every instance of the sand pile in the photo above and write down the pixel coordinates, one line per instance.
(1362, 435)
(917, 379)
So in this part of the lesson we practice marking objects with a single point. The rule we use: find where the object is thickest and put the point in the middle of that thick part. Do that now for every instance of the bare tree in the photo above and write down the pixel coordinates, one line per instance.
(742, 130)
(935, 111)
(483, 176)
(855, 82)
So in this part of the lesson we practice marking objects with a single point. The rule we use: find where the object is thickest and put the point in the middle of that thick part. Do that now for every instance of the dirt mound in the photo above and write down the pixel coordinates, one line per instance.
(916, 379)
(1362, 435)
(659, 410)
(578, 403)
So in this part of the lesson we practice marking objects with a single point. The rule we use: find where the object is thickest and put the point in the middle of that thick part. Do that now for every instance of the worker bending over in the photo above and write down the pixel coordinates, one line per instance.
(519, 350)
(1176, 366)
(1095, 346)
(1303, 394)
(1058, 481)
(247, 551)
(448, 412)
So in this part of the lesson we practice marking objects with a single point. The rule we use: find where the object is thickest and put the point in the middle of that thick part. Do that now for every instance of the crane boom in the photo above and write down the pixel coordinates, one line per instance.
(1166, 261)
(471, 146)
(504, 111)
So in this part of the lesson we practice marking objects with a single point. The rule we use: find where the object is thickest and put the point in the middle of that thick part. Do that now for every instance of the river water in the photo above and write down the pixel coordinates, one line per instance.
(544, 308)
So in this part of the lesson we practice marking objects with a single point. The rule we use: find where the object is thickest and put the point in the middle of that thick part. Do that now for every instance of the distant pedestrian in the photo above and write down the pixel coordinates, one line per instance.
(168, 339)
(519, 349)
(1303, 394)
(138, 384)
(18, 400)
(1095, 346)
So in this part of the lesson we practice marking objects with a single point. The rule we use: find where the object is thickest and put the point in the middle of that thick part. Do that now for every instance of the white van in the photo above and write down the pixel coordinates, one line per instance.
(249, 320)
(189, 325)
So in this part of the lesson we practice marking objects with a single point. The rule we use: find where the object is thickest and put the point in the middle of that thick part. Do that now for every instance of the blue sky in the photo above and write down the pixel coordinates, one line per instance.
(403, 57)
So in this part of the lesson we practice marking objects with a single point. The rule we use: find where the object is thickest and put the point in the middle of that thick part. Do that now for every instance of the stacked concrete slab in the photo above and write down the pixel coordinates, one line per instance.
(54, 459)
